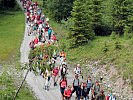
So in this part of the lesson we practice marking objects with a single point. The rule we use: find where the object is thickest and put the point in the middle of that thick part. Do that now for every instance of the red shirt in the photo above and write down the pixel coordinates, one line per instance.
(38, 17)
(53, 37)
(55, 71)
(33, 17)
(36, 40)
(28, 13)
(63, 83)
(67, 93)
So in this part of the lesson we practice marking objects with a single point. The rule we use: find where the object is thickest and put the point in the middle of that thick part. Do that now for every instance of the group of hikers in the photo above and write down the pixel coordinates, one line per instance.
(37, 25)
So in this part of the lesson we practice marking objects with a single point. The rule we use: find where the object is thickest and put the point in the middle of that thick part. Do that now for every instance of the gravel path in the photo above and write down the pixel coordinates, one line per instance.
(36, 82)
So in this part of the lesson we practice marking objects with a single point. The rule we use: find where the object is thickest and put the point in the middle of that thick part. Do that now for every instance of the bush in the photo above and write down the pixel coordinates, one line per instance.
(105, 49)
(113, 35)
(127, 33)
(117, 45)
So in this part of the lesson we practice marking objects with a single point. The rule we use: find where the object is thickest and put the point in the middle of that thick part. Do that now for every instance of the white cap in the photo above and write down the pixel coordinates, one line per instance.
(114, 93)
(78, 65)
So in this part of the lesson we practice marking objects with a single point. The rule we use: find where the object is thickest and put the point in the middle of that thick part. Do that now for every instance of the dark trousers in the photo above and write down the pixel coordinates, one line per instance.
(75, 89)
(49, 36)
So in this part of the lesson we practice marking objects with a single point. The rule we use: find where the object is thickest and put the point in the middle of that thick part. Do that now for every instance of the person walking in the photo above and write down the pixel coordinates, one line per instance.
(96, 89)
(55, 75)
(76, 84)
(68, 93)
(63, 85)
(101, 96)
(91, 94)
(77, 69)
(81, 93)
(47, 77)
(49, 33)
(63, 70)
(89, 84)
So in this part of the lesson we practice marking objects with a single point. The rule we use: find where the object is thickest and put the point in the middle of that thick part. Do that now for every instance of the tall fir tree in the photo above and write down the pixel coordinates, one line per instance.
(122, 16)
(59, 9)
(82, 24)
(96, 6)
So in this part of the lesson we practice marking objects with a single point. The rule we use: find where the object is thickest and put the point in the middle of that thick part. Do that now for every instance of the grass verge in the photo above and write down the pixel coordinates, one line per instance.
(11, 33)
(8, 89)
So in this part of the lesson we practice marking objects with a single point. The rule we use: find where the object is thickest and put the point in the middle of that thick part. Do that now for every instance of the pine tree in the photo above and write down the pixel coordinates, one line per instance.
(129, 21)
(82, 24)
(96, 7)
(122, 16)
(59, 9)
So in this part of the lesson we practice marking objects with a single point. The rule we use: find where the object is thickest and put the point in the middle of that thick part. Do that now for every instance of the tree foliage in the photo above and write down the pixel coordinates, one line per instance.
(82, 24)
(122, 16)
(7, 4)
(59, 9)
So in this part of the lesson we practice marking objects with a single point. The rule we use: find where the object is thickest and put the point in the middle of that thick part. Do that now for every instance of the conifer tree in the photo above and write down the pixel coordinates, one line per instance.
(122, 16)
(96, 7)
(82, 24)
(59, 9)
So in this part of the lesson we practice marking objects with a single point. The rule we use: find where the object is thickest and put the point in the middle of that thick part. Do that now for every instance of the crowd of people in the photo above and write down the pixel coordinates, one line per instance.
(85, 89)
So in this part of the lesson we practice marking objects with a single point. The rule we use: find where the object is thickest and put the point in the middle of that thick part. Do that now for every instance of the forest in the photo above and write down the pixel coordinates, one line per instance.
(89, 18)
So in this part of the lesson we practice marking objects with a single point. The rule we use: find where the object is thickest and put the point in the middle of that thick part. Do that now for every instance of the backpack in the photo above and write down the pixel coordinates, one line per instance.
(63, 70)
(77, 71)
(112, 98)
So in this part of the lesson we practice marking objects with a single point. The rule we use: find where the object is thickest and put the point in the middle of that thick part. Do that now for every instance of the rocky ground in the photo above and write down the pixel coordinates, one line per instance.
(111, 79)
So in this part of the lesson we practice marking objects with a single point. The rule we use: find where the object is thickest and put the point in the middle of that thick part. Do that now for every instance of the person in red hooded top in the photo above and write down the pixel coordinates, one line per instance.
(68, 93)
(36, 40)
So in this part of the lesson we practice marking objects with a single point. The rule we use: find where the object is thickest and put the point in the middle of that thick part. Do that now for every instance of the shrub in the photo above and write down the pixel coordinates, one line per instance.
(105, 49)
(118, 45)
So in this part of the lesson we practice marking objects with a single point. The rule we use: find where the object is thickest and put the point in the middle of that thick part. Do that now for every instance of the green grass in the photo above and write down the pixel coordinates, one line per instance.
(8, 89)
(11, 33)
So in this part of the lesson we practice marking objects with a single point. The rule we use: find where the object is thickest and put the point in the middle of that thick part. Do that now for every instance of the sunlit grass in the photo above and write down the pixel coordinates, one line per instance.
(11, 33)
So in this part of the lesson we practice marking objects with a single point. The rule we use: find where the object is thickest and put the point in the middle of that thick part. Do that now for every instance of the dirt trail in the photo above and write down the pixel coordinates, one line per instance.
(36, 82)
